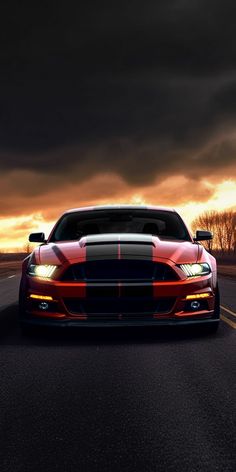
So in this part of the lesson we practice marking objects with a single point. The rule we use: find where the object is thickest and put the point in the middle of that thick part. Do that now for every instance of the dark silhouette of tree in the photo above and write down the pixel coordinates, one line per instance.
(223, 226)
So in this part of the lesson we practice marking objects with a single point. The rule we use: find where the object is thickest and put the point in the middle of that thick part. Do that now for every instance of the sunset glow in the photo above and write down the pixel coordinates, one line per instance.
(15, 230)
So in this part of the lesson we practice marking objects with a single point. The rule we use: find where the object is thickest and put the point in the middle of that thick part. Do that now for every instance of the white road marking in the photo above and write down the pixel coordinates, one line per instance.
(9, 277)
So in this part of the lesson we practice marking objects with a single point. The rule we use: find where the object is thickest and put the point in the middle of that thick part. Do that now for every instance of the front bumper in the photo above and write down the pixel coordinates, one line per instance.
(177, 312)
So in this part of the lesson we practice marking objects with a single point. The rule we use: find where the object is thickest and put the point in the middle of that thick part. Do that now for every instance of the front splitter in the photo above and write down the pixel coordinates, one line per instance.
(84, 323)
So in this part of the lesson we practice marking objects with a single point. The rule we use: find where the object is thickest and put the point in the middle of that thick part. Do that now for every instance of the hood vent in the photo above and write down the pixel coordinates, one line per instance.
(112, 239)
(102, 243)
(105, 239)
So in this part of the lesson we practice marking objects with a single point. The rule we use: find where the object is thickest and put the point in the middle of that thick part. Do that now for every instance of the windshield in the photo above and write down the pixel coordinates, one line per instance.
(164, 224)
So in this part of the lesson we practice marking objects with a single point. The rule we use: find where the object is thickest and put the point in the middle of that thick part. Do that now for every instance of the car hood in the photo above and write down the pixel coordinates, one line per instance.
(110, 246)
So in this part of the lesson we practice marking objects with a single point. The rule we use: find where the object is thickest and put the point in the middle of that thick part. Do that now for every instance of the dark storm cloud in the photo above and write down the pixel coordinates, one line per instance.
(143, 89)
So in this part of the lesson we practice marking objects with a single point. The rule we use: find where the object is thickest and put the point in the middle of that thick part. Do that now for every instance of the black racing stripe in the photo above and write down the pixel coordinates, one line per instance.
(98, 251)
(137, 291)
(60, 255)
(144, 250)
(102, 291)
(115, 291)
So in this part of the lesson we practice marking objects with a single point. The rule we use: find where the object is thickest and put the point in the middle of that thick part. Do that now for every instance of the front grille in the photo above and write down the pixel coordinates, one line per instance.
(116, 290)
(112, 308)
(119, 269)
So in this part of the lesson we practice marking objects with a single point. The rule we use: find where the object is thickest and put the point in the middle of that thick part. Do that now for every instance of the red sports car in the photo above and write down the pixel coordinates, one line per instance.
(119, 265)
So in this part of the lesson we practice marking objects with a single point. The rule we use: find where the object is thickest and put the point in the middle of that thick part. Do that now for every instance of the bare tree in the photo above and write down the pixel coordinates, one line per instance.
(222, 225)
(228, 225)
(206, 221)
(27, 248)
(234, 232)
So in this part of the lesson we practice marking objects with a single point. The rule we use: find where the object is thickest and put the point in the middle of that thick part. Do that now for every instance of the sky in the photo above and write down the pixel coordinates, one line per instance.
(115, 102)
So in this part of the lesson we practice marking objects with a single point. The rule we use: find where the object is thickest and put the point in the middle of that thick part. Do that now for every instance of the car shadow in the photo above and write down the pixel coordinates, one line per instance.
(10, 334)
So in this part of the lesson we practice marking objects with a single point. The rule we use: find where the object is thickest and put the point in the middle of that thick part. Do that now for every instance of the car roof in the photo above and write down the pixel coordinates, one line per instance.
(119, 207)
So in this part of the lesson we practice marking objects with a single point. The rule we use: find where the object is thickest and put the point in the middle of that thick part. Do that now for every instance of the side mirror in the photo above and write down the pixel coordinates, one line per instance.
(203, 236)
(37, 237)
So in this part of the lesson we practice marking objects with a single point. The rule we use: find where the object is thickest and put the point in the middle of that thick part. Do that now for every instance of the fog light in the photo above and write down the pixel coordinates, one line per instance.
(40, 297)
(43, 306)
(195, 305)
(198, 295)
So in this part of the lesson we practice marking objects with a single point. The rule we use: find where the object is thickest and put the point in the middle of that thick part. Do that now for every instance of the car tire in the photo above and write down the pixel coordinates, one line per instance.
(217, 304)
(21, 303)
(25, 329)
(211, 328)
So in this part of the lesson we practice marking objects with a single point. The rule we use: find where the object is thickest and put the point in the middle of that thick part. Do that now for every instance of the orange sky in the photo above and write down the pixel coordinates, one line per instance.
(133, 105)
(41, 211)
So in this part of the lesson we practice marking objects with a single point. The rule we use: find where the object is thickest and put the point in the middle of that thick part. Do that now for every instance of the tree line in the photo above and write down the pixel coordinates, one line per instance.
(223, 226)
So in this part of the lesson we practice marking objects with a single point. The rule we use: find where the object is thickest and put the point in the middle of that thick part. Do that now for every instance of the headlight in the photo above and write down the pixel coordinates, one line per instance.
(194, 270)
(44, 271)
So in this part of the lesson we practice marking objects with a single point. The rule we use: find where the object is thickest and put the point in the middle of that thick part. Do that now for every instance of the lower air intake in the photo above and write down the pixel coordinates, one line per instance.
(114, 307)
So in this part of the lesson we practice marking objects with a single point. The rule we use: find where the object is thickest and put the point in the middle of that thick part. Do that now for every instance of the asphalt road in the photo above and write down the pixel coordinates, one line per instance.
(117, 400)
(9, 288)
